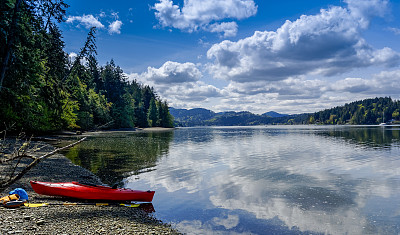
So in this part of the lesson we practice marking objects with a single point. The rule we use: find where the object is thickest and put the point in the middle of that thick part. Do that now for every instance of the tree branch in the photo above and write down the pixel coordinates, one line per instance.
(9, 158)
(12, 180)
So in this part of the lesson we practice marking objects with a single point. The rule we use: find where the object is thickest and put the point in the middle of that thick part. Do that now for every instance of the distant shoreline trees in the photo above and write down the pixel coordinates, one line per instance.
(363, 112)
(42, 90)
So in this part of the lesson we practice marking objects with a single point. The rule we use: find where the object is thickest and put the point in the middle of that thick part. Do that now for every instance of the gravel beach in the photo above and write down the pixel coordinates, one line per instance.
(78, 219)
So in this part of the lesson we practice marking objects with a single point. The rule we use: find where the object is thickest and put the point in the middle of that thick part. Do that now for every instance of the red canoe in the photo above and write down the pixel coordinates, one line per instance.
(91, 192)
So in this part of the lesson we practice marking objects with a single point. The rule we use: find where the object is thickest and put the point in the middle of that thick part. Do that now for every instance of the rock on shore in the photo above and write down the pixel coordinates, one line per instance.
(88, 219)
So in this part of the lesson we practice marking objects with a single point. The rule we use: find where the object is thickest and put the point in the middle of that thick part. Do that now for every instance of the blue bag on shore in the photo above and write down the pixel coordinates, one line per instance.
(23, 195)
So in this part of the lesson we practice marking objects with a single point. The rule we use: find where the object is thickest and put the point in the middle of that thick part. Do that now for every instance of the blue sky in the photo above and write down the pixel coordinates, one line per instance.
(248, 55)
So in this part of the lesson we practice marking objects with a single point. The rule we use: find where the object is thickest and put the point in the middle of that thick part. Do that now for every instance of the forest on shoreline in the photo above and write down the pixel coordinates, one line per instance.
(42, 89)
(364, 112)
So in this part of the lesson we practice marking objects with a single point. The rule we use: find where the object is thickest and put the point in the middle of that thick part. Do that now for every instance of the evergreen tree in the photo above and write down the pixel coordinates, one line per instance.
(41, 90)
(147, 95)
(152, 116)
(9, 14)
(165, 119)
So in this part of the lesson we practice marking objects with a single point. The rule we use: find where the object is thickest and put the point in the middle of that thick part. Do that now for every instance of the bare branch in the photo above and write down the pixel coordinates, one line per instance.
(36, 161)
(9, 158)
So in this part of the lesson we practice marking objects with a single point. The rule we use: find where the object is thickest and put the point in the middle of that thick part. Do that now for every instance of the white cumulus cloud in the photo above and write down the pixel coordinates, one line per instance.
(301, 94)
(205, 15)
(385, 83)
(229, 29)
(171, 73)
(366, 9)
(115, 27)
(87, 21)
(326, 44)
(180, 82)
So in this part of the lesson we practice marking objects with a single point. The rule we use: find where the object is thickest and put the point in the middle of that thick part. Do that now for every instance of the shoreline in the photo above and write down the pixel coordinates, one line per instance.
(62, 134)
(88, 219)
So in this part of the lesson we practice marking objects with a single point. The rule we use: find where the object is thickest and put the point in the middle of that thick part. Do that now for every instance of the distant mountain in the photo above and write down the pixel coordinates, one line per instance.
(368, 111)
(274, 114)
(191, 117)
(205, 117)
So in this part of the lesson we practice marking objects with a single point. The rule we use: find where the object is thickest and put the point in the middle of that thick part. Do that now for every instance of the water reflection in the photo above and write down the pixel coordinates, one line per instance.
(368, 136)
(260, 180)
(280, 180)
(115, 155)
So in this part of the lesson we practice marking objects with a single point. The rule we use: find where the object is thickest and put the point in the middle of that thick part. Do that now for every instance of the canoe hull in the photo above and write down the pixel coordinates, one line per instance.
(90, 192)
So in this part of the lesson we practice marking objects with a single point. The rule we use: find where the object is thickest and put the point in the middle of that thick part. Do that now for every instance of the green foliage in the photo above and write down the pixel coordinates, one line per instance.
(152, 113)
(395, 114)
(368, 112)
(42, 91)
(69, 113)
(165, 119)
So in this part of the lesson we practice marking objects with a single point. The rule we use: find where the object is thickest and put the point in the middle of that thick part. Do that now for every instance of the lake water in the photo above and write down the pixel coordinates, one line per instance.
(258, 180)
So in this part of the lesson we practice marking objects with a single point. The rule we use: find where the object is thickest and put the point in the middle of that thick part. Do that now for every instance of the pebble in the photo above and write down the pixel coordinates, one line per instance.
(40, 222)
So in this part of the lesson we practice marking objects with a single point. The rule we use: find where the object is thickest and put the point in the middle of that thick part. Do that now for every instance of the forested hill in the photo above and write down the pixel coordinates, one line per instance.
(41, 89)
(368, 112)
(205, 117)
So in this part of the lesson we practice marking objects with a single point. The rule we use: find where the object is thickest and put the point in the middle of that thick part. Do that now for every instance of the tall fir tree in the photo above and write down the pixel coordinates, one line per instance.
(152, 116)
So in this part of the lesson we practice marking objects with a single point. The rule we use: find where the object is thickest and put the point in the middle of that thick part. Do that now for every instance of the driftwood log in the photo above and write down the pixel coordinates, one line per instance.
(13, 177)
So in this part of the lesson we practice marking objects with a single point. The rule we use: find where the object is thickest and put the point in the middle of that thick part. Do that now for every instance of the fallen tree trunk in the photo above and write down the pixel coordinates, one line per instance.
(36, 160)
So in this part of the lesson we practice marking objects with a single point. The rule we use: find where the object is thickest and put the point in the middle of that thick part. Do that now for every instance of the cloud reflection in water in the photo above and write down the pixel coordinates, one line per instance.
(313, 180)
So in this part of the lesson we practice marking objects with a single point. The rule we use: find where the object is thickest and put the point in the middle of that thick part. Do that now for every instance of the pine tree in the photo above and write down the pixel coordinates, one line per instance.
(41, 90)
(152, 113)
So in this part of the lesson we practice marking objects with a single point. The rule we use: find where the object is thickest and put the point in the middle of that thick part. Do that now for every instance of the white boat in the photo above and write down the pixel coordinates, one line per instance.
(383, 119)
